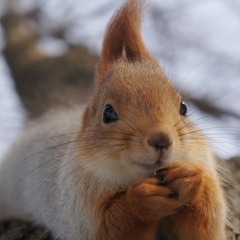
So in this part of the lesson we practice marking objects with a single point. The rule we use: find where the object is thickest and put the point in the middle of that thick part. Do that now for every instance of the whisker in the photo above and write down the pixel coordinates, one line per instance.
(197, 65)
(133, 127)
(55, 136)
(39, 152)
(56, 171)
(35, 169)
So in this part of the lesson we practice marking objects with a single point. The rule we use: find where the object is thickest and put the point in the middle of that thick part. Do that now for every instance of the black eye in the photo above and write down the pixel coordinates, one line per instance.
(183, 108)
(109, 114)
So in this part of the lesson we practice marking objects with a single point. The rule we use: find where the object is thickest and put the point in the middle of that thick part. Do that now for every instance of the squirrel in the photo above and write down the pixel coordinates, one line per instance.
(128, 165)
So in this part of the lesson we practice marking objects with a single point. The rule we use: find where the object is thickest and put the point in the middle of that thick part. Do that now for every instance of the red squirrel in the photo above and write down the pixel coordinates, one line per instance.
(128, 165)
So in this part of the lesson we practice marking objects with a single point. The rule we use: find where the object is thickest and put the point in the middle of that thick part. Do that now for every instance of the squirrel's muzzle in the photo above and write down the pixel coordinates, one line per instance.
(160, 138)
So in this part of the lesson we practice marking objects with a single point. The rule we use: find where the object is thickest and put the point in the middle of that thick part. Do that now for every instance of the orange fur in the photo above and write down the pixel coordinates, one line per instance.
(132, 204)
(198, 192)
(147, 208)
(123, 36)
(113, 212)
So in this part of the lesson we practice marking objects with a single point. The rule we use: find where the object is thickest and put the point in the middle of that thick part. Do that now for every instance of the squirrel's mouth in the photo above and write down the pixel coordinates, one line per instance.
(149, 166)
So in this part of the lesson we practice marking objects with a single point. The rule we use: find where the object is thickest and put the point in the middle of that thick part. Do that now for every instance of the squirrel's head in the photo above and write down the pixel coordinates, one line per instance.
(136, 121)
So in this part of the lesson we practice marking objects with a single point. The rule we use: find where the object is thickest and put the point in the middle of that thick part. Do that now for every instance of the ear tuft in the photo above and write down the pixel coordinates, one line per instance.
(134, 46)
(124, 35)
(113, 43)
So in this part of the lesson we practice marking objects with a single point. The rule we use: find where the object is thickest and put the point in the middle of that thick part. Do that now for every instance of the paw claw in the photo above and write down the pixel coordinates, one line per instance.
(173, 194)
(164, 169)
(162, 181)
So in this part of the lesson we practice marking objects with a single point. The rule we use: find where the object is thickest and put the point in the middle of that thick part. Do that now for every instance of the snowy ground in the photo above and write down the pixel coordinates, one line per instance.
(197, 43)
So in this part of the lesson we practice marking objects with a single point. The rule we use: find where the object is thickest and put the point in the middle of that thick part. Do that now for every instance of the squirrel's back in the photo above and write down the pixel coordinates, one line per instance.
(31, 173)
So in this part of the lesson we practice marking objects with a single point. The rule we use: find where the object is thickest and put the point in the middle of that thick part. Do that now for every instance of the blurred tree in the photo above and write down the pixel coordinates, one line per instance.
(45, 81)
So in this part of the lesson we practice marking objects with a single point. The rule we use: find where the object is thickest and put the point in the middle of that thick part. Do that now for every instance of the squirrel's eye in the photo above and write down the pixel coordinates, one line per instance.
(109, 114)
(183, 108)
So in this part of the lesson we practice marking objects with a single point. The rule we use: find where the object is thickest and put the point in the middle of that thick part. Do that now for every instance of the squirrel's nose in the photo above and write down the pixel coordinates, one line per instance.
(160, 139)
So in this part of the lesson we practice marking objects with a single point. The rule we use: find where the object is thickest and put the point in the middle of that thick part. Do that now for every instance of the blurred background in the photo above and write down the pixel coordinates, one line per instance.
(49, 49)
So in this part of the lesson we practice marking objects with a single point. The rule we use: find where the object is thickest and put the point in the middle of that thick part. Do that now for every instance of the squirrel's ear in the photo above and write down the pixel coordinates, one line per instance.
(123, 38)
(134, 45)
(112, 48)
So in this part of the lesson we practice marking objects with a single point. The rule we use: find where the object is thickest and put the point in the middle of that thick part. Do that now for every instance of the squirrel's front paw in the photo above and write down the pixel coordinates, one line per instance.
(184, 178)
(150, 201)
